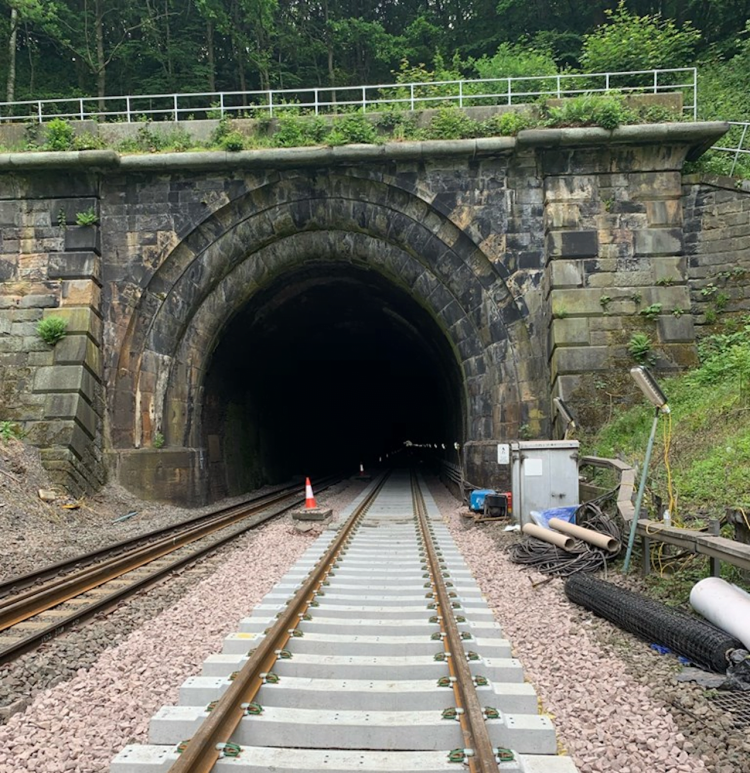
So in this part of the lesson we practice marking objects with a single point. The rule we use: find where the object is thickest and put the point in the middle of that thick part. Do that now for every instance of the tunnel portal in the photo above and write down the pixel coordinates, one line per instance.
(328, 367)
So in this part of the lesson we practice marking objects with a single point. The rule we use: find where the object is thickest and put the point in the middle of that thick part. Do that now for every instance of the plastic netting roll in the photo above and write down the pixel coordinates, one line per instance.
(696, 640)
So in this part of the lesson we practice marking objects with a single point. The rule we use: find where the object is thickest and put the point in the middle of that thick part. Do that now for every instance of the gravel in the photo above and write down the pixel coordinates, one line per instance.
(618, 717)
(113, 676)
(612, 697)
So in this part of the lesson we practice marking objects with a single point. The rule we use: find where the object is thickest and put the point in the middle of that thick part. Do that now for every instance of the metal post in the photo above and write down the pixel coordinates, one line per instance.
(739, 150)
(460, 93)
(606, 81)
(510, 98)
(641, 490)
(656, 81)
(39, 110)
(714, 529)
(317, 104)
(176, 113)
(80, 104)
(127, 107)
(221, 105)
(411, 91)
(364, 99)
(270, 103)
(559, 94)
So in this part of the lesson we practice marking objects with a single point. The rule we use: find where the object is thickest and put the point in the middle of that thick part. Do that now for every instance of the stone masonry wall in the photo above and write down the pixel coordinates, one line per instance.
(616, 268)
(717, 246)
(50, 266)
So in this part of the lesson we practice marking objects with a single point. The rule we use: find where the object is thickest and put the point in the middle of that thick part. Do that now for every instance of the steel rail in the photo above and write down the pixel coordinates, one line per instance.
(21, 581)
(482, 758)
(36, 600)
(202, 750)
(57, 627)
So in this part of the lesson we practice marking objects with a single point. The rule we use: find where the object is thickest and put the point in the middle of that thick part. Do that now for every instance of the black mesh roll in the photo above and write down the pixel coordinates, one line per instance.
(698, 641)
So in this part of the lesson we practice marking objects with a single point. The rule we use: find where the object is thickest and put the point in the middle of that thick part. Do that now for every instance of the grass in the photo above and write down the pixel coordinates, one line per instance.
(708, 432)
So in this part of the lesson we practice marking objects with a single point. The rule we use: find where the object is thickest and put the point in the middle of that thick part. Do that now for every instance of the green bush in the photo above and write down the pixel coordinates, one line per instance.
(631, 42)
(58, 135)
(608, 111)
(9, 430)
(233, 142)
(87, 217)
(52, 329)
(88, 141)
(352, 128)
(641, 349)
(452, 123)
(296, 131)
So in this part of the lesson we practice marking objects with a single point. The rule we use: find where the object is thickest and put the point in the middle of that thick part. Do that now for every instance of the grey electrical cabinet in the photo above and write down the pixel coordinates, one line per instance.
(544, 475)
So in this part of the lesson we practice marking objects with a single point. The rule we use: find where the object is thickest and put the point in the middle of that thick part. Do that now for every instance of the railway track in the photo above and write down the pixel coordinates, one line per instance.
(38, 606)
(376, 652)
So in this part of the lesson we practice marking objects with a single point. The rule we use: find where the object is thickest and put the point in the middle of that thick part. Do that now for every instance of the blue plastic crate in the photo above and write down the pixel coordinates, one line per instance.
(476, 500)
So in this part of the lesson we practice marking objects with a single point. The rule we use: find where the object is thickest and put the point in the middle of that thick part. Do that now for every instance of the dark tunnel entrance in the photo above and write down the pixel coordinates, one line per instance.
(327, 367)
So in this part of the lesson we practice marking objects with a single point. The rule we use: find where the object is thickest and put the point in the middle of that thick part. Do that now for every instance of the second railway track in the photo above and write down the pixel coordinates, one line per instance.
(40, 605)
(375, 653)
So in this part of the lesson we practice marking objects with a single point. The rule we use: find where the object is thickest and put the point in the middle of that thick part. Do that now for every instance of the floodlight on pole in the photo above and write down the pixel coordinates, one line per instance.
(652, 391)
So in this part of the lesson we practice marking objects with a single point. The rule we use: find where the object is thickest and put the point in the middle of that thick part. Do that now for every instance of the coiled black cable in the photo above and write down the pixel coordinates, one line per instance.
(582, 557)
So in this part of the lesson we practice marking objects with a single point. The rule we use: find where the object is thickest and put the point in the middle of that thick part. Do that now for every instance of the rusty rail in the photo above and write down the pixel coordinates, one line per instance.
(201, 752)
(473, 726)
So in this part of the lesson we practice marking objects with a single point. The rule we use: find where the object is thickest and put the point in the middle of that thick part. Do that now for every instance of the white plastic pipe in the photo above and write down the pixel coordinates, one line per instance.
(725, 605)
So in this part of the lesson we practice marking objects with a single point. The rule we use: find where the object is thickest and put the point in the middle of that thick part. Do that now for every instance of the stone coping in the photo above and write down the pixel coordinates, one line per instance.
(698, 136)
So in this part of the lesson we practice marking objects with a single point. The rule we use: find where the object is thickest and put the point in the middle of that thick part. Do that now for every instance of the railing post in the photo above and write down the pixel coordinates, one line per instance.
(411, 91)
(559, 88)
(127, 108)
(656, 81)
(739, 149)
(695, 93)
(364, 99)
(39, 110)
(460, 93)
(317, 103)
(221, 104)
(174, 102)
(270, 103)
(510, 93)
(80, 104)
(606, 81)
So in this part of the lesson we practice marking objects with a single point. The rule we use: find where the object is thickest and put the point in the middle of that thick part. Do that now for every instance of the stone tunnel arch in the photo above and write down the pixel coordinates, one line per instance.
(337, 220)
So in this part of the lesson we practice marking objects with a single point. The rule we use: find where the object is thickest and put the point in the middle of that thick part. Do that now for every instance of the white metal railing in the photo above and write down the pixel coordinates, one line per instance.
(322, 100)
(739, 142)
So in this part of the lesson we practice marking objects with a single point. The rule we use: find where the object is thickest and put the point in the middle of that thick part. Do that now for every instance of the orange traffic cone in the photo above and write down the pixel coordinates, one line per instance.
(309, 497)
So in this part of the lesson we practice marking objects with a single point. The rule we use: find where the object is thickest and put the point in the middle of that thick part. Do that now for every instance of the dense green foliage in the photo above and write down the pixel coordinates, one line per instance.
(107, 47)
(710, 428)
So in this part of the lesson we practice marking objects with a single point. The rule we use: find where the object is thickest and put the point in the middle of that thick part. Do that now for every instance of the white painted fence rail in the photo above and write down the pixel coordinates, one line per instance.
(326, 100)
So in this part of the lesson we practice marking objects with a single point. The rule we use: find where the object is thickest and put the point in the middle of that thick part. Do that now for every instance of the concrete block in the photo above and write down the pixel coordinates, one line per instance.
(71, 406)
(658, 241)
(80, 292)
(566, 273)
(38, 302)
(580, 359)
(312, 514)
(572, 331)
(74, 265)
(679, 329)
(65, 378)
(573, 244)
(84, 238)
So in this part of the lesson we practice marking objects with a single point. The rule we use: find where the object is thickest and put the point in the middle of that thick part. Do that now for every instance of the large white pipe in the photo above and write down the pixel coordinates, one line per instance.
(725, 605)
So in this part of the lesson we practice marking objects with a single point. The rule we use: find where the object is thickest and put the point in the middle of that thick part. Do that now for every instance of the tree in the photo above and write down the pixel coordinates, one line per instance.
(630, 42)
(34, 11)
